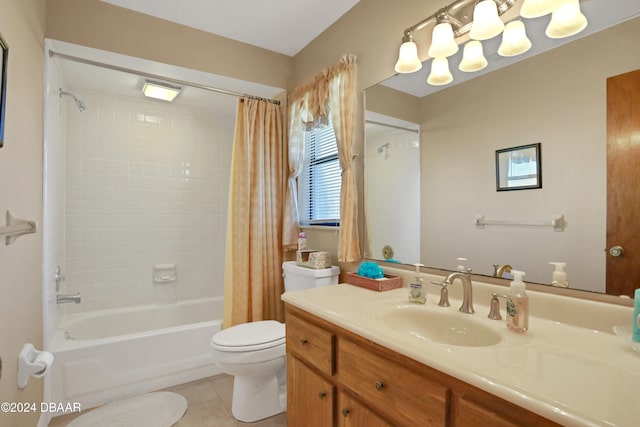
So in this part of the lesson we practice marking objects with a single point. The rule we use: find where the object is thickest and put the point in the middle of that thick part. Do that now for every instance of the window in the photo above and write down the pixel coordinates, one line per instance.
(319, 182)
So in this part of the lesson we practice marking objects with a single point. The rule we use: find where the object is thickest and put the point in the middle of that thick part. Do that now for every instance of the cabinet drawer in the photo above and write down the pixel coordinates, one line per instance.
(390, 388)
(311, 343)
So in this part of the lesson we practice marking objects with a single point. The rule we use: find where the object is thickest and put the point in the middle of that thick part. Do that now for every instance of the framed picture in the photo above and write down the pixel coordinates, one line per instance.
(519, 168)
(3, 87)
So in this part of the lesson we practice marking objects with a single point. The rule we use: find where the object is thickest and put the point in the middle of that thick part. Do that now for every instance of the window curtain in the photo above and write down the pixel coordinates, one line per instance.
(291, 225)
(253, 263)
(332, 92)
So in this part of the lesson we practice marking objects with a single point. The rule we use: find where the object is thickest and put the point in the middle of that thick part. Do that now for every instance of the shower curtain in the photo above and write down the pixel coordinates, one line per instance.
(253, 263)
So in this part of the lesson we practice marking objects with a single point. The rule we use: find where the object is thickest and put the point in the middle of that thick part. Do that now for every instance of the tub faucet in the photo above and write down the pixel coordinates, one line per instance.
(499, 270)
(467, 289)
(63, 299)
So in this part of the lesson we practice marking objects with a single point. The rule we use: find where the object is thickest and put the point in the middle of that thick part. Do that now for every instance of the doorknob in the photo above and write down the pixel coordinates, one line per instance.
(616, 251)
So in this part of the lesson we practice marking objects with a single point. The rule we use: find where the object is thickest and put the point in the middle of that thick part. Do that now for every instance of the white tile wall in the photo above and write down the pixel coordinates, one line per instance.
(146, 183)
(393, 199)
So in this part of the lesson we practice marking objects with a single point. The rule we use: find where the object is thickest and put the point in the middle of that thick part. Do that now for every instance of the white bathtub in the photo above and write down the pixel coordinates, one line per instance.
(112, 354)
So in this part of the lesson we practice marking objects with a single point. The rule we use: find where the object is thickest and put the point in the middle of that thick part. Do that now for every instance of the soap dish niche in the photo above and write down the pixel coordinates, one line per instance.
(164, 273)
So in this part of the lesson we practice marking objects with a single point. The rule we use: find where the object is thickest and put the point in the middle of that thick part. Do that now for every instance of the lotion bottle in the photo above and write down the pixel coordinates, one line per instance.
(417, 292)
(518, 304)
(559, 277)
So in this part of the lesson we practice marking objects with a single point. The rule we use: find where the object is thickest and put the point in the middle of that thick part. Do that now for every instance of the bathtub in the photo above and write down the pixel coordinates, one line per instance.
(112, 354)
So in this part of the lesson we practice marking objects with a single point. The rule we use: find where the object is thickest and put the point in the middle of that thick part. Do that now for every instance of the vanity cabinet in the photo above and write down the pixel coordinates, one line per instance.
(338, 378)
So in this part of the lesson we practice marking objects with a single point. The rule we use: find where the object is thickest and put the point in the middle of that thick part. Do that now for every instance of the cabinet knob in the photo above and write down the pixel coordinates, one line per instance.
(304, 341)
(379, 385)
(322, 394)
(345, 412)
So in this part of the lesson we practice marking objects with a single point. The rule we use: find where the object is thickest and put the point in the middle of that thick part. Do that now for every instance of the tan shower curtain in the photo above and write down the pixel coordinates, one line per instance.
(253, 264)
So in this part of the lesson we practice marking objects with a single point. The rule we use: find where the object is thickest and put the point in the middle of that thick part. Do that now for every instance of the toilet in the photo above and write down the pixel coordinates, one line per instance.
(254, 353)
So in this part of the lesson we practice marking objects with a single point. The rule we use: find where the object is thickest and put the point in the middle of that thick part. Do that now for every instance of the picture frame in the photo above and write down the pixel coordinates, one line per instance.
(519, 168)
(3, 86)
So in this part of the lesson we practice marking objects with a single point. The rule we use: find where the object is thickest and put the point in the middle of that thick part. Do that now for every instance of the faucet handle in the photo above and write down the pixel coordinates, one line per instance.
(494, 313)
(444, 293)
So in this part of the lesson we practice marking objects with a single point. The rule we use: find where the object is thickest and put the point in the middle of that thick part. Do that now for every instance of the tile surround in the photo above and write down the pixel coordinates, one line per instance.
(146, 183)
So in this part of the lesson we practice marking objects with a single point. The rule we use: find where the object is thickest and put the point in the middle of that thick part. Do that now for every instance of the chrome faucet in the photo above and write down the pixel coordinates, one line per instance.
(499, 270)
(63, 299)
(467, 289)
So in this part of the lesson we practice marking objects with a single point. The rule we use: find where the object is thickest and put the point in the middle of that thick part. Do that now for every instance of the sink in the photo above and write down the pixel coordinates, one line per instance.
(452, 328)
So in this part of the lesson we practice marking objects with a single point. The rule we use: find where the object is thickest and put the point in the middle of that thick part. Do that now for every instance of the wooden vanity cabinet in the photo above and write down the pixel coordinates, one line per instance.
(338, 378)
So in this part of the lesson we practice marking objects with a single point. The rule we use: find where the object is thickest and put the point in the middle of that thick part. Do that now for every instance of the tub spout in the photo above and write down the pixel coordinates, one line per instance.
(63, 299)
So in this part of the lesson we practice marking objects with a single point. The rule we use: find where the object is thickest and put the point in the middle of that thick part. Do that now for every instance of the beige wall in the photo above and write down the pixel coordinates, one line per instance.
(22, 26)
(390, 102)
(100, 25)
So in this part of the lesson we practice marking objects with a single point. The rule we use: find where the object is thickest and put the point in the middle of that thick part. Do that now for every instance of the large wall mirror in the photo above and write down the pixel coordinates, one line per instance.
(557, 98)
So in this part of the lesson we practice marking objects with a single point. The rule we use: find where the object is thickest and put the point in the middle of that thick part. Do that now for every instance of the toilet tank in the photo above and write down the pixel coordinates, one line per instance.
(296, 277)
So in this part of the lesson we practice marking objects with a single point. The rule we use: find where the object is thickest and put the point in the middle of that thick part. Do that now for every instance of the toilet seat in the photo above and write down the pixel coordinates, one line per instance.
(251, 336)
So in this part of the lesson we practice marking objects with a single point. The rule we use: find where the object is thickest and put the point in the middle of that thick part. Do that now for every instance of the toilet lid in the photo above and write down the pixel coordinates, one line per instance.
(250, 336)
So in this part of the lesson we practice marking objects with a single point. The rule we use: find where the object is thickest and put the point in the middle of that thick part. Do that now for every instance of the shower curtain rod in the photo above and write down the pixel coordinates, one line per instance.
(158, 77)
(373, 122)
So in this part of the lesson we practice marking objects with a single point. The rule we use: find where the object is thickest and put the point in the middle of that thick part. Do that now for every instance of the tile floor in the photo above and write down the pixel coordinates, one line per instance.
(209, 406)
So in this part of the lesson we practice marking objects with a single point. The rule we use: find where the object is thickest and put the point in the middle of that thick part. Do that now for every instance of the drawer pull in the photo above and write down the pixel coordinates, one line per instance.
(345, 412)
(379, 385)
(322, 394)
(304, 341)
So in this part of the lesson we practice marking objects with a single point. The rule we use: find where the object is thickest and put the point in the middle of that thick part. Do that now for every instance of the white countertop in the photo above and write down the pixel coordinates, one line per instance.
(575, 376)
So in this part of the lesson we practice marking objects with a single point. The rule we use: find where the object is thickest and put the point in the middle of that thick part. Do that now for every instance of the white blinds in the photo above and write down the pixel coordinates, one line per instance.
(319, 183)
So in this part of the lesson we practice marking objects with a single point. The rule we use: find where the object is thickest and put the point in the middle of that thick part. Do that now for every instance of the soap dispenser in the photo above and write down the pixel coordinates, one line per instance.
(518, 304)
(559, 277)
(417, 292)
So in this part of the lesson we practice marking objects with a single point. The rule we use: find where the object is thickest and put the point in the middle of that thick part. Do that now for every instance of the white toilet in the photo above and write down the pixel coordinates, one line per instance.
(254, 353)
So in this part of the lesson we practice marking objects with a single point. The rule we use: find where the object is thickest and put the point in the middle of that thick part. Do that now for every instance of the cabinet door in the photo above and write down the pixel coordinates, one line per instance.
(309, 397)
(468, 413)
(352, 413)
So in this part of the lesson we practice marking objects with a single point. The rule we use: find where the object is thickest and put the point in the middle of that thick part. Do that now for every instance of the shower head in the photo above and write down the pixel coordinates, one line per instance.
(382, 148)
(79, 103)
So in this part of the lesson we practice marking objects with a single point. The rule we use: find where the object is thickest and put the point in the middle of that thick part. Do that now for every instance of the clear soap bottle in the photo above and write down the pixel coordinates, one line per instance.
(518, 304)
(417, 292)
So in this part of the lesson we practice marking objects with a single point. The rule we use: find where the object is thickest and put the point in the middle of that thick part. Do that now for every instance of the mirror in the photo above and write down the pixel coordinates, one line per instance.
(556, 98)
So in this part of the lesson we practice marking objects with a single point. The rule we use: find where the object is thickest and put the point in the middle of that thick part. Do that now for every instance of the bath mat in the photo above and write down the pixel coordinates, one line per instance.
(158, 409)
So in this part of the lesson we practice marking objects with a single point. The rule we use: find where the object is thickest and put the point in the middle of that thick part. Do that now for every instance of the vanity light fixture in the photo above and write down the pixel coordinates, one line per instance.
(440, 74)
(442, 41)
(538, 8)
(473, 57)
(408, 61)
(566, 20)
(480, 19)
(160, 90)
(514, 40)
(486, 21)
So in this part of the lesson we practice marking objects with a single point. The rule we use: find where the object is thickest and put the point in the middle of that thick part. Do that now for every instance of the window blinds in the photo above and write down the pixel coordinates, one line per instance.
(319, 182)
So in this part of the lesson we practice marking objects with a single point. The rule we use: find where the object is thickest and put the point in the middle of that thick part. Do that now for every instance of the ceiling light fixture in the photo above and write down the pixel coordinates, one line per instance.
(480, 19)
(160, 90)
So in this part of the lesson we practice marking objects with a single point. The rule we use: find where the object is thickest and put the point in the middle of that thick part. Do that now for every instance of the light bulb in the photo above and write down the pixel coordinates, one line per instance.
(408, 61)
(442, 42)
(486, 22)
(472, 57)
(537, 8)
(566, 21)
(440, 74)
(514, 40)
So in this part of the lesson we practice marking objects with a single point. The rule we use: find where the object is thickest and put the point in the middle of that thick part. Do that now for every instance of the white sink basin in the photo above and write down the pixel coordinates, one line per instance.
(446, 327)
